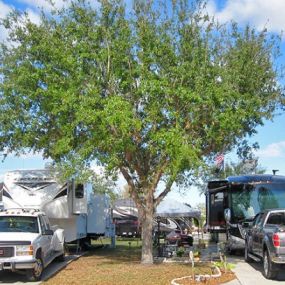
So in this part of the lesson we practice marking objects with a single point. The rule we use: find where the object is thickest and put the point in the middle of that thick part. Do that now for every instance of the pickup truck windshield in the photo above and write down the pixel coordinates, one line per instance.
(246, 203)
(18, 224)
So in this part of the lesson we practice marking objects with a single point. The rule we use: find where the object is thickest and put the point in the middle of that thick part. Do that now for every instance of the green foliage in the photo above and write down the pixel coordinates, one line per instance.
(230, 169)
(224, 265)
(180, 251)
(197, 253)
(154, 93)
(164, 89)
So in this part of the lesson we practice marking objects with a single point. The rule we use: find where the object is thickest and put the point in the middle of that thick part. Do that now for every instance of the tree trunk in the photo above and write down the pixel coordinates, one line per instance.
(147, 235)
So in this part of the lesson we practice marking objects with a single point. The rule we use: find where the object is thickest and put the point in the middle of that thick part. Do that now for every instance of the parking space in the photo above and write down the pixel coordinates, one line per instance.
(249, 274)
(7, 277)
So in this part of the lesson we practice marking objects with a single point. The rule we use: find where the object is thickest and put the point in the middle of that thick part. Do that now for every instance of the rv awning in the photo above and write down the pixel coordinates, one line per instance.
(176, 209)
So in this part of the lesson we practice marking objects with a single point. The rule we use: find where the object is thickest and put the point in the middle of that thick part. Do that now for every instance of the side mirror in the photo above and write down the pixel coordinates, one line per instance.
(227, 214)
(246, 225)
(48, 232)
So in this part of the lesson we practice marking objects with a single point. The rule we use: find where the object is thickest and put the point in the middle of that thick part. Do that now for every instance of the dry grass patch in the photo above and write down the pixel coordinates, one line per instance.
(121, 266)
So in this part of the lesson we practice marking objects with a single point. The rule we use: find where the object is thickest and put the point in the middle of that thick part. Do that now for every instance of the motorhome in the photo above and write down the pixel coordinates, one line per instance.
(71, 206)
(238, 199)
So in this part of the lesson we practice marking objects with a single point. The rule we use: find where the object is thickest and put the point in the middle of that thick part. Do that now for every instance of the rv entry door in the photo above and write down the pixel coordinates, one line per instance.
(79, 198)
(216, 202)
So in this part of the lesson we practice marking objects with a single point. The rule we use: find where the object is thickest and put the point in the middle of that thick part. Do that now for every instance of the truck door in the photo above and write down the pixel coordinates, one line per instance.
(257, 235)
(45, 239)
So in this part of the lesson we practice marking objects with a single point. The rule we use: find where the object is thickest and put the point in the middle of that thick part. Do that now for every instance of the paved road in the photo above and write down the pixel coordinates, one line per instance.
(249, 274)
(8, 278)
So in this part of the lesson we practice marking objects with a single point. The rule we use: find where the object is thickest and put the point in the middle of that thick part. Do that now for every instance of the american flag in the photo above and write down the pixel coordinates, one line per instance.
(219, 159)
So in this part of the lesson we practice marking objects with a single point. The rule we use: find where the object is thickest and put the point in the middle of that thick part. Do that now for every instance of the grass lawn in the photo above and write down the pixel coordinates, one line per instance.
(121, 266)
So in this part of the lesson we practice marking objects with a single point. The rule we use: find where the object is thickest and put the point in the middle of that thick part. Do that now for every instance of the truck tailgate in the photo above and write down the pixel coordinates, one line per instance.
(282, 238)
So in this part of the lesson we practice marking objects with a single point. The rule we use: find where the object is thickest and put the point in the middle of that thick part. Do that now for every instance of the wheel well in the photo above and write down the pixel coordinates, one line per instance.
(264, 248)
(39, 252)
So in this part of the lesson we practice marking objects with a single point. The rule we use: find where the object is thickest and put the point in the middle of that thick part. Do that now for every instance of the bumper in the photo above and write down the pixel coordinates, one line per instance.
(278, 259)
(236, 243)
(16, 265)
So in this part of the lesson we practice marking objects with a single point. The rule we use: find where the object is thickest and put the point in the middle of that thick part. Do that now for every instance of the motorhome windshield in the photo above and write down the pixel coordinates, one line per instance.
(18, 224)
(248, 201)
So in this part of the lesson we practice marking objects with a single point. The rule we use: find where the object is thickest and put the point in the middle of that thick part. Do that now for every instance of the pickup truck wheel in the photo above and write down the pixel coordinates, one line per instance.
(231, 251)
(246, 257)
(269, 268)
(35, 274)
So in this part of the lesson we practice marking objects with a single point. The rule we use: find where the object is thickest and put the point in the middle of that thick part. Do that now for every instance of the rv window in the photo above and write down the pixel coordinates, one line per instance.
(79, 191)
(217, 197)
(252, 199)
(216, 215)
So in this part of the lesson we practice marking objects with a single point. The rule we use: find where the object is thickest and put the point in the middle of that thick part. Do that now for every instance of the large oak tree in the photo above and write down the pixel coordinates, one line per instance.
(152, 93)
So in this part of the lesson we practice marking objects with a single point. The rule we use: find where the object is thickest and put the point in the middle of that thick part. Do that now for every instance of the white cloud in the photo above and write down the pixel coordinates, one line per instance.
(272, 150)
(260, 13)
(4, 10)
(44, 4)
(57, 3)
(33, 16)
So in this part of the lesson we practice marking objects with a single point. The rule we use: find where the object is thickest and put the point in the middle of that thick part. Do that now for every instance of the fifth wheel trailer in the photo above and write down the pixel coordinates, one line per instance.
(71, 206)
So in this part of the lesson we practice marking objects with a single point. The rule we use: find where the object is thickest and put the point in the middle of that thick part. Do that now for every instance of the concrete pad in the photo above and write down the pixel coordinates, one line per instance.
(247, 273)
(251, 273)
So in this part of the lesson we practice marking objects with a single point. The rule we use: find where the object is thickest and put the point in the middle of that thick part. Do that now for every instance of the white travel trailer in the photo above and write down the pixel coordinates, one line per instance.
(72, 207)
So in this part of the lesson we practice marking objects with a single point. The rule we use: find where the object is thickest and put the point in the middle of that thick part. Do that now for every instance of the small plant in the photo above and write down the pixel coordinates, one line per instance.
(196, 253)
(224, 265)
(201, 244)
(180, 251)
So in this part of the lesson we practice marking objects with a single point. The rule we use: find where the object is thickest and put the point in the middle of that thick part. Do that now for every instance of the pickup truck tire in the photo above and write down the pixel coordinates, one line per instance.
(35, 274)
(246, 257)
(269, 268)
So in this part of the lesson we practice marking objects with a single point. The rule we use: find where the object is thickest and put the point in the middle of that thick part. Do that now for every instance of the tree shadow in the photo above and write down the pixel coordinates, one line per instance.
(119, 254)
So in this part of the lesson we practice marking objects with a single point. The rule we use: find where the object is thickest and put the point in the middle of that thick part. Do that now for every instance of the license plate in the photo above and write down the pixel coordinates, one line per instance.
(1, 251)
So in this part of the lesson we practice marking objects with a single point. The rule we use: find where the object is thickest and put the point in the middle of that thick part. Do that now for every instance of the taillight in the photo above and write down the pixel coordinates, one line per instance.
(276, 240)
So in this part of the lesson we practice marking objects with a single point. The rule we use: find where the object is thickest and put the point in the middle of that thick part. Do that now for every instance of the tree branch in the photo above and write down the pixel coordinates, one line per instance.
(130, 182)
(165, 192)
(158, 175)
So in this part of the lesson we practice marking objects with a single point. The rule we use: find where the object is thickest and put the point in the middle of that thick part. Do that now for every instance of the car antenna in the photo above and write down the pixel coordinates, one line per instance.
(274, 171)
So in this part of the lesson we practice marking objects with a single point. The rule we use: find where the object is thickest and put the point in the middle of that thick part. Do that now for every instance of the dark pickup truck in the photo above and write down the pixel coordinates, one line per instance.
(265, 240)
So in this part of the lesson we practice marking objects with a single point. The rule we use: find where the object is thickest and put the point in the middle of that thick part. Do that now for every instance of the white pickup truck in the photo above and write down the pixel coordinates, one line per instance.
(28, 242)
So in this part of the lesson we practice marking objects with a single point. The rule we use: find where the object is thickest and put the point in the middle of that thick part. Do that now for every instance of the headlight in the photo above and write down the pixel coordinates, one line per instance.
(24, 250)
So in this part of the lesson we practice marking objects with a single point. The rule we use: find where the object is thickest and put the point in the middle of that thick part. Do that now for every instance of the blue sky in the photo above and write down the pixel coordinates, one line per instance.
(260, 14)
